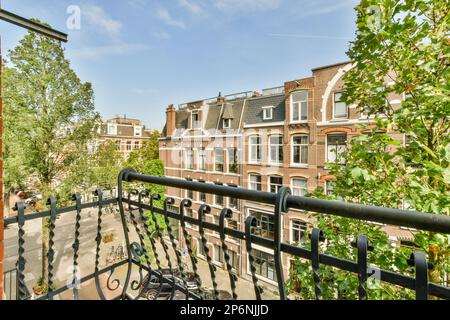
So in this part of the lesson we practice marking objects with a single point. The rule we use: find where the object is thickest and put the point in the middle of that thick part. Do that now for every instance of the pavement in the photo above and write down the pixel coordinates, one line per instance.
(63, 262)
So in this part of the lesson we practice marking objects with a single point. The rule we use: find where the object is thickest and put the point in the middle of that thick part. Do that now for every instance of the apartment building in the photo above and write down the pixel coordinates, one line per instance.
(284, 136)
(128, 134)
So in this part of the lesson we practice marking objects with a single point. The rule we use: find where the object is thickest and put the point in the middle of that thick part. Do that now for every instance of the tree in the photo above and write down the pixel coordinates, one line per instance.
(105, 166)
(15, 171)
(58, 112)
(405, 44)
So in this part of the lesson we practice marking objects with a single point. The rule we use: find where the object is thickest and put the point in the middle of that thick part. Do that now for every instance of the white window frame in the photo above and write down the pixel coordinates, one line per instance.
(251, 183)
(293, 163)
(201, 164)
(250, 149)
(268, 112)
(137, 131)
(334, 108)
(270, 184)
(327, 145)
(293, 187)
(112, 129)
(186, 157)
(297, 229)
(227, 123)
(276, 161)
(223, 160)
(195, 124)
(300, 120)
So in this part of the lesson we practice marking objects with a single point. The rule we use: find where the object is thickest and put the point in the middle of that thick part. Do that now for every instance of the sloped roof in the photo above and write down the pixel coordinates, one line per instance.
(254, 110)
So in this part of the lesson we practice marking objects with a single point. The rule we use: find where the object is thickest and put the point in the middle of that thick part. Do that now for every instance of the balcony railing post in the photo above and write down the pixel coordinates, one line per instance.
(280, 209)
(51, 251)
(316, 237)
(21, 262)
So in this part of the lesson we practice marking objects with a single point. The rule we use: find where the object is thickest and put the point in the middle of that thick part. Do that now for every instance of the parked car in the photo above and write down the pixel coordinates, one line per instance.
(155, 289)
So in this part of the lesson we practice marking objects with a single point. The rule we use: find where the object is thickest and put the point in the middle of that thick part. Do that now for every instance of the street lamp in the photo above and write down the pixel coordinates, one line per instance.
(43, 30)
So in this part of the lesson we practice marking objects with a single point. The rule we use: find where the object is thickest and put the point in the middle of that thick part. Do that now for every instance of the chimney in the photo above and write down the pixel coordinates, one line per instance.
(220, 98)
(171, 120)
(256, 94)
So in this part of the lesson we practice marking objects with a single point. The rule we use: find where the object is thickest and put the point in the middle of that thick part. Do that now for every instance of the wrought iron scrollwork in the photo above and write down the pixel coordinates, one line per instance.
(317, 236)
(76, 245)
(419, 261)
(249, 224)
(280, 209)
(22, 293)
(51, 251)
(227, 214)
(202, 212)
(167, 202)
(183, 205)
(98, 240)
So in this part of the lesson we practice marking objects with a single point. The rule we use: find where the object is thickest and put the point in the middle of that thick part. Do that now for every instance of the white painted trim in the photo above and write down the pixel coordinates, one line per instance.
(330, 87)
(291, 118)
(298, 165)
(263, 125)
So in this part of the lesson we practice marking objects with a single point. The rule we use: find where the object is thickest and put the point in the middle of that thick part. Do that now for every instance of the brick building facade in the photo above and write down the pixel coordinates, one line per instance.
(281, 137)
(128, 134)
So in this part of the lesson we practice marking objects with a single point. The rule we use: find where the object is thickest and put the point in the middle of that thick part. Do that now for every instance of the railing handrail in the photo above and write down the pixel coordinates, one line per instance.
(402, 218)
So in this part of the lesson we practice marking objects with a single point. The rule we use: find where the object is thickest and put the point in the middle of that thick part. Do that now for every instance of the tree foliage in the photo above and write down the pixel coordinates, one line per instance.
(402, 48)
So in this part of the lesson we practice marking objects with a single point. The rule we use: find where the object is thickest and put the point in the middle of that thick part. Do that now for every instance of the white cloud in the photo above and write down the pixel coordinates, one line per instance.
(166, 17)
(247, 5)
(98, 18)
(191, 6)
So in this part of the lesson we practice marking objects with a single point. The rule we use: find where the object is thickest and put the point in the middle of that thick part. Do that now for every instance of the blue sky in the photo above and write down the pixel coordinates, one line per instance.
(142, 55)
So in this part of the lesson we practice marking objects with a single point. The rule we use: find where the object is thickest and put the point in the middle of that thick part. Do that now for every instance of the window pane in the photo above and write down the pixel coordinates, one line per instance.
(219, 160)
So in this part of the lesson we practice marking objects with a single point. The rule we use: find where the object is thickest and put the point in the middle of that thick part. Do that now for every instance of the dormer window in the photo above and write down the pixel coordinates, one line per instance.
(227, 123)
(268, 113)
(195, 120)
(112, 129)
(137, 131)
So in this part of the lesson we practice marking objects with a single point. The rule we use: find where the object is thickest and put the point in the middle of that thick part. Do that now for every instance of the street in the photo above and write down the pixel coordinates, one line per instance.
(63, 261)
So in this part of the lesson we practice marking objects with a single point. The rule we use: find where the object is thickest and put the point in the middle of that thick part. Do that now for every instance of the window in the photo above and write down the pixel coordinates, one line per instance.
(218, 254)
(264, 264)
(218, 198)
(330, 188)
(117, 144)
(219, 160)
(202, 159)
(340, 107)
(275, 184)
(189, 193)
(195, 120)
(189, 159)
(265, 225)
(276, 149)
(299, 187)
(268, 113)
(137, 145)
(299, 106)
(128, 145)
(299, 232)
(226, 123)
(232, 160)
(216, 221)
(189, 213)
(137, 131)
(233, 202)
(112, 129)
(201, 249)
(300, 150)
(201, 195)
(336, 146)
(255, 149)
(234, 260)
(255, 182)
(232, 224)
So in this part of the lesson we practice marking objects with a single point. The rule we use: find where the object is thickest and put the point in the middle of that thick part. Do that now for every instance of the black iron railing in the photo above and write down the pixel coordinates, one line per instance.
(138, 210)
